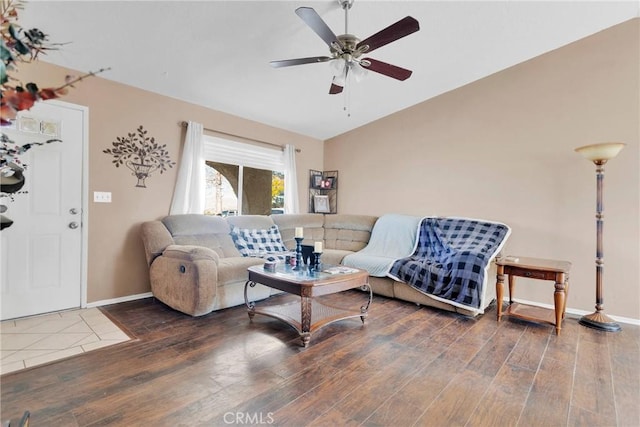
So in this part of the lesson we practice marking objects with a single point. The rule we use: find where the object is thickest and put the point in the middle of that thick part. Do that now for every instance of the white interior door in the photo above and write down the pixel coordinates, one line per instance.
(42, 251)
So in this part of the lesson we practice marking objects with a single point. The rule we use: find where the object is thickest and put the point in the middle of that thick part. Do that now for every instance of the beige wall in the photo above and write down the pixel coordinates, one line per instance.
(116, 265)
(502, 149)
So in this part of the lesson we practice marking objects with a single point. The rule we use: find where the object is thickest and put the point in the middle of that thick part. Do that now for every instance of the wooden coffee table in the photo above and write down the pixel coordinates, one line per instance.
(308, 315)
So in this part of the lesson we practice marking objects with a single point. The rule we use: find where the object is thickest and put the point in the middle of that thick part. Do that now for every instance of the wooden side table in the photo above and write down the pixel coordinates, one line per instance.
(534, 268)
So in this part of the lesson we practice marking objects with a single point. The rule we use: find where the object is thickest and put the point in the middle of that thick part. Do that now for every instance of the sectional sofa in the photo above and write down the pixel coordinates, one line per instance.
(195, 266)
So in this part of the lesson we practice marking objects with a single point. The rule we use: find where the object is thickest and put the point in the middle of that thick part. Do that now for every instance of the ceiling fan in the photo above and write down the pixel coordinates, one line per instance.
(347, 50)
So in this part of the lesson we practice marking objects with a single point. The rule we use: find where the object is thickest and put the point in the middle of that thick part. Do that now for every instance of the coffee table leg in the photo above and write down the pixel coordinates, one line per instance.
(365, 308)
(305, 320)
(250, 304)
(305, 337)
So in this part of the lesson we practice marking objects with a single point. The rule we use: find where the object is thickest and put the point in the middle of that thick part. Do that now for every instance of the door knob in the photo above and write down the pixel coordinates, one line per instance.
(73, 225)
(73, 211)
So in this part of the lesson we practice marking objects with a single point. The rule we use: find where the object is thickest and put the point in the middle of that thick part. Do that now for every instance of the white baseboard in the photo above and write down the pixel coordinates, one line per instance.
(575, 311)
(117, 300)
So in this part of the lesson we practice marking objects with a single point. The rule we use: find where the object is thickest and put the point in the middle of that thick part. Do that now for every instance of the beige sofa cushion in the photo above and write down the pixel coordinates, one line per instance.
(333, 256)
(202, 230)
(348, 232)
(234, 269)
(311, 223)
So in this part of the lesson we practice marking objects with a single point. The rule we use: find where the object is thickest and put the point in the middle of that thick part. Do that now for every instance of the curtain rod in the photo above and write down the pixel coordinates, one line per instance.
(184, 124)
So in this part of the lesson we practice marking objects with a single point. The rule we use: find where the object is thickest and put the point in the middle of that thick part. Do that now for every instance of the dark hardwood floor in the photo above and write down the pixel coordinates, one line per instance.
(407, 365)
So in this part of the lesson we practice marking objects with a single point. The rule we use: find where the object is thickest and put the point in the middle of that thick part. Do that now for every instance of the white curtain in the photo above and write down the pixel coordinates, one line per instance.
(291, 202)
(188, 196)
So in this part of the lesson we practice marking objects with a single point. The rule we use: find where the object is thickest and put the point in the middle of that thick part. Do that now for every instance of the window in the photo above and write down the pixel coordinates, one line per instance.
(242, 178)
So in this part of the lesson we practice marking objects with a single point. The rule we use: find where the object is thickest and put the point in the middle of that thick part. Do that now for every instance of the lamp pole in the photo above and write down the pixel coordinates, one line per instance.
(599, 154)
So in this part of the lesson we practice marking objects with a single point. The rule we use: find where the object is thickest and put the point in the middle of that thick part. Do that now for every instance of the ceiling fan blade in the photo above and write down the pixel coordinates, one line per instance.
(313, 20)
(335, 89)
(299, 61)
(393, 32)
(386, 69)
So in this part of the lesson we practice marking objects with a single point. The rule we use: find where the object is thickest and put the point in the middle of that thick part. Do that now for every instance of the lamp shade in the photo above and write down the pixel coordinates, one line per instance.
(602, 151)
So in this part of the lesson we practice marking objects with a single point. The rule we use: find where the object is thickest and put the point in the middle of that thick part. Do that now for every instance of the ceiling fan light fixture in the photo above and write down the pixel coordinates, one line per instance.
(340, 79)
(337, 65)
(357, 71)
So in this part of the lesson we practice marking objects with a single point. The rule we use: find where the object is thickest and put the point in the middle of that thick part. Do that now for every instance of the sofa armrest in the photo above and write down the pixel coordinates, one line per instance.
(191, 253)
(186, 278)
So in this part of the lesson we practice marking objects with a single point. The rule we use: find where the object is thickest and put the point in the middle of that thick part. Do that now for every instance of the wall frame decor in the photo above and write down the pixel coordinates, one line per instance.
(321, 204)
(323, 183)
(141, 154)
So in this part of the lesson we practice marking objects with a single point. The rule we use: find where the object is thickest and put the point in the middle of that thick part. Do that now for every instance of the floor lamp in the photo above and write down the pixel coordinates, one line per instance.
(600, 154)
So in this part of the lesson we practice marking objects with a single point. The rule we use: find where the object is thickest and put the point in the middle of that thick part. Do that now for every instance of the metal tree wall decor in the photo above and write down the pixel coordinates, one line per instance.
(141, 154)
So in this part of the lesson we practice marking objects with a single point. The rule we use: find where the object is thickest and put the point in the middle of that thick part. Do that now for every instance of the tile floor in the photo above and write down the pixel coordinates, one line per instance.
(32, 341)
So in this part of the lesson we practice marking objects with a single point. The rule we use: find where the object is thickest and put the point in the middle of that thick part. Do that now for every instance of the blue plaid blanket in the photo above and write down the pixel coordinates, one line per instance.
(452, 258)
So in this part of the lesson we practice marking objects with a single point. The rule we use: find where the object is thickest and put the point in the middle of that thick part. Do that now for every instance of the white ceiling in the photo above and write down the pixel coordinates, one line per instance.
(216, 53)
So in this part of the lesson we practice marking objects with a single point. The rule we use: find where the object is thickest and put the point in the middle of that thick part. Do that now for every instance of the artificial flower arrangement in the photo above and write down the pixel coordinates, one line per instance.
(19, 45)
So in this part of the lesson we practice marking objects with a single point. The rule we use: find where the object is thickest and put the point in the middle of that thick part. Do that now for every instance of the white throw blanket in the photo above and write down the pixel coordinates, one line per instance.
(393, 237)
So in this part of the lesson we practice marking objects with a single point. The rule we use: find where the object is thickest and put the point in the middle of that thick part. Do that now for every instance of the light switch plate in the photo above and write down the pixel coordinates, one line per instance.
(102, 196)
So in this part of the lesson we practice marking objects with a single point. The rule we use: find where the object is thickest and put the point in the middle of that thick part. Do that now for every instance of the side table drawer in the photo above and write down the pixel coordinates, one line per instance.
(529, 273)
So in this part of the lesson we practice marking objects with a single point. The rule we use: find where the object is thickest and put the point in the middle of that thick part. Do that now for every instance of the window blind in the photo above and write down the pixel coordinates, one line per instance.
(237, 153)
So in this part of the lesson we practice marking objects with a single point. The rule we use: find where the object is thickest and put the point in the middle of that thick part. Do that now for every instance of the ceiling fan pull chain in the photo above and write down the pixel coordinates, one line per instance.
(346, 102)
(347, 90)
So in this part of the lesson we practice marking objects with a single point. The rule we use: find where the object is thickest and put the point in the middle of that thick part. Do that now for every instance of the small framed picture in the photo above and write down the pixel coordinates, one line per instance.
(50, 128)
(328, 182)
(28, 124)
(321, 204)
(317, 181)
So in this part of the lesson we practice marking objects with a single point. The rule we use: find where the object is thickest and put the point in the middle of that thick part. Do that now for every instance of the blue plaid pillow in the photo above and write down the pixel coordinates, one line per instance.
(255, 242)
